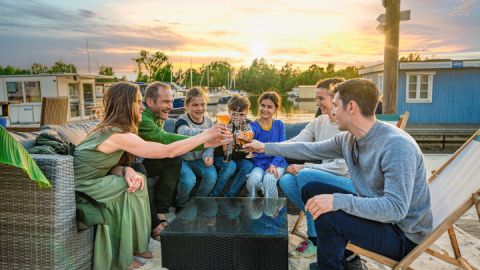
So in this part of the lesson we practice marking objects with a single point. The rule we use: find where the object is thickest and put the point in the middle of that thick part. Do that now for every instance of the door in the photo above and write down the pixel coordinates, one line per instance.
(74, 99)
(88, 99)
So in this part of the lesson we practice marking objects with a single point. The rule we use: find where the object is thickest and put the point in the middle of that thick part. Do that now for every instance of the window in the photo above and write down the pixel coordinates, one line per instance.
(74, 97)
(419, 87)
(24, 91)
(15, 91)
(88, 98)
(32, 92)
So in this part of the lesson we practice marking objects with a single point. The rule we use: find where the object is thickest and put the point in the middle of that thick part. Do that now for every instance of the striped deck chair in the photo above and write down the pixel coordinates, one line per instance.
(399, 120)
(454, 188)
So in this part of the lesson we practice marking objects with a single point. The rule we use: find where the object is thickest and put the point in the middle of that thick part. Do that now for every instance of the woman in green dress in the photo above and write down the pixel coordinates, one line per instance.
(101, 165)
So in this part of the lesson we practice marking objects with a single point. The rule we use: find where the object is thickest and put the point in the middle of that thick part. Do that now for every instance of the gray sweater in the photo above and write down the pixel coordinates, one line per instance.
(184, 125)
(389, 176)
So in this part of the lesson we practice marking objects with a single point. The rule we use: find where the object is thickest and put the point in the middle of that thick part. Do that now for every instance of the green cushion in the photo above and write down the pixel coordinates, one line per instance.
(14, 154)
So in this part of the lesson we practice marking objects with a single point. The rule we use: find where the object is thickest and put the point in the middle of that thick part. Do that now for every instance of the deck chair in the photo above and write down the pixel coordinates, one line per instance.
(454, 188)
(54, 111)
(399, 120)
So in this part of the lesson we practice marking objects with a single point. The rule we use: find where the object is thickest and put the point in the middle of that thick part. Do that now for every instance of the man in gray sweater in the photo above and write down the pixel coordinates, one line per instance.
(391, 213)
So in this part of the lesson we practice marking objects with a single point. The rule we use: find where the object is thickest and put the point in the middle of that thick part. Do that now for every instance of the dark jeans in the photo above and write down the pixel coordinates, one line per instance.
(162, 190)
(334, 229)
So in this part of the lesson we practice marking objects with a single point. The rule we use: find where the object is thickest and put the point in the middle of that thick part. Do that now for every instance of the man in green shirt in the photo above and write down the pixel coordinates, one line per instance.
(158, 103)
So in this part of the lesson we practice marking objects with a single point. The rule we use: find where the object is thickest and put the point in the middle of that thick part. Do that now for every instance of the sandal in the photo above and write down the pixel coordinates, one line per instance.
(163, 224)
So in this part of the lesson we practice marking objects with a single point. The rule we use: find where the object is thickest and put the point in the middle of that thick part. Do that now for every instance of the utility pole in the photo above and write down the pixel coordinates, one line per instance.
(390, 70)
(88, 56)
(390, 26)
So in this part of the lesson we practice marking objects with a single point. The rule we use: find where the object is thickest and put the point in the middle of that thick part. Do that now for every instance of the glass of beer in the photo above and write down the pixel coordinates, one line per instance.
(248, 137)
(223, 118)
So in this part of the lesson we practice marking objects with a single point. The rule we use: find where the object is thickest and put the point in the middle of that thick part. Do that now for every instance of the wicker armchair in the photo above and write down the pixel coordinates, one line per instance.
(54, 111)
(37, 226)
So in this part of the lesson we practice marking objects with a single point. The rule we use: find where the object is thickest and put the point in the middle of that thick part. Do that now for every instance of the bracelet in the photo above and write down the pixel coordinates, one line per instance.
(124, 170)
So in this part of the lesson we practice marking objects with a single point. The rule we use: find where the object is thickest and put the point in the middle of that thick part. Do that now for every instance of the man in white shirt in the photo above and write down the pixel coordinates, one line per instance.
(333, 171)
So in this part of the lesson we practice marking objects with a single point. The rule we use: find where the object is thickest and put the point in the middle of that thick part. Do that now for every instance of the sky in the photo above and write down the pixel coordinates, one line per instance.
(302, 32)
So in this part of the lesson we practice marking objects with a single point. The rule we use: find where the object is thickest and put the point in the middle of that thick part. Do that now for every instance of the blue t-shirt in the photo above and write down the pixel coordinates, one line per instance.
(275, 134)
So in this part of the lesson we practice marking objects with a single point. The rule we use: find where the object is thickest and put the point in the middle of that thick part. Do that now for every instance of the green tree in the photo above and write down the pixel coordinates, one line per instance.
(164, 73)
(313, 74)
(349, 72)
(61, 67)
(11, 70)
(259, 77)
(152, 63)
(105, 70)
(288, 77)
(411, 57)
(219, 74)
(39, 68)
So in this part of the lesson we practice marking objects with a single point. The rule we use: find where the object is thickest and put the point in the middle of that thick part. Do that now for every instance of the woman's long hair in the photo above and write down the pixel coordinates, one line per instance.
(121, 111)
(121, 108)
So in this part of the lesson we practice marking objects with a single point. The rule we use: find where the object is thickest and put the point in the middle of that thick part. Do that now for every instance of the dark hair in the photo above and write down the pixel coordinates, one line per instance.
(364, 92)
(194, 92)
(273, 96)
(152, 90)
(329, 83)
(238, 103)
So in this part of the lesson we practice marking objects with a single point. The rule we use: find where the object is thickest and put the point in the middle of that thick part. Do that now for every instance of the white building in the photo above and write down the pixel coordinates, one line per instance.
(27, 90)
(306, 92)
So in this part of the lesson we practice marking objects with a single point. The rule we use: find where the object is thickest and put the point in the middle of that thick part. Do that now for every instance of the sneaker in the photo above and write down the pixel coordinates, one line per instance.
(354, 262)
(305, 249)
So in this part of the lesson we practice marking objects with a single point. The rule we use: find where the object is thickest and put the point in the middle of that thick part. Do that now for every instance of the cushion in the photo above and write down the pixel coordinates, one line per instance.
(73, 133)
(27, 139)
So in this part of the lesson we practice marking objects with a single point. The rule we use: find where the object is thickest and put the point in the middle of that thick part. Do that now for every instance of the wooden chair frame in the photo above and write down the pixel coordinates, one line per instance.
(445, 226)
(401, 123)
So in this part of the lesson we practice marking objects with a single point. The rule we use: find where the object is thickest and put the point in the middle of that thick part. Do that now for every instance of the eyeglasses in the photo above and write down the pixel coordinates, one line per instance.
(356, 157)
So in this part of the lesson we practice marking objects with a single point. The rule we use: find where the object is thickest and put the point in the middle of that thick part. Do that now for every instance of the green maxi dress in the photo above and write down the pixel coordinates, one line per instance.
(128, 213)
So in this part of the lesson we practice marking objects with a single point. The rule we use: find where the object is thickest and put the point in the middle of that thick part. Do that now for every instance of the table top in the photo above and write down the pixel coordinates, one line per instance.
(249, 217)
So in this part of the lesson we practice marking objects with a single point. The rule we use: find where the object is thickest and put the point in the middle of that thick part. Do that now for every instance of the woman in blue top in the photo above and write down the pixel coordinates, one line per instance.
(267, 169)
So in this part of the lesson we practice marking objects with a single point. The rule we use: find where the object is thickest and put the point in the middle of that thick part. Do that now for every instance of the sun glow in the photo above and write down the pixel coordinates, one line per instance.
(258, 50)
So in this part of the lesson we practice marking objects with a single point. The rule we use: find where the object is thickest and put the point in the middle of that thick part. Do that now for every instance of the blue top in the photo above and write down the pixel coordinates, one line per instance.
(275, 134)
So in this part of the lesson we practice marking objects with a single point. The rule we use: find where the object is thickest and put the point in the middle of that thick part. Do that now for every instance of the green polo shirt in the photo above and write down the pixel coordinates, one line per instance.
(151, 129)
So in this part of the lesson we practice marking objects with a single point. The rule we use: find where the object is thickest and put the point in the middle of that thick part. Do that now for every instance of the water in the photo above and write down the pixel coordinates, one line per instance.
(291, 112)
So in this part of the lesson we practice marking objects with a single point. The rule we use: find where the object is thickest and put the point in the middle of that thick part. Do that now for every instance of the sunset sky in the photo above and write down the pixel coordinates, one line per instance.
(301, 32)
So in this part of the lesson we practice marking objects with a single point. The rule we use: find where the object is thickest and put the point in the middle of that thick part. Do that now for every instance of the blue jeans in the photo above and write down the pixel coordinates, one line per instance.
(235, 169)
(244, 167)
(225, 171)
(188, 178)
(336, 228)
(291, 186)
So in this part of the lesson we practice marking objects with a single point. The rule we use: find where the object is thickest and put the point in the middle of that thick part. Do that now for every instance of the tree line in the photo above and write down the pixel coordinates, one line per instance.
(256, 78)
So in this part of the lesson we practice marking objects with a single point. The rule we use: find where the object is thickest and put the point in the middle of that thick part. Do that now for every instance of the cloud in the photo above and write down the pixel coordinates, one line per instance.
(463, 8)
(87, 13)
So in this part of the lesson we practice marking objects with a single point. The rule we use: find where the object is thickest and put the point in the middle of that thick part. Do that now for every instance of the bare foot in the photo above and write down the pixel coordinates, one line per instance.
(159, 229)
(146, 255)
(134, 265)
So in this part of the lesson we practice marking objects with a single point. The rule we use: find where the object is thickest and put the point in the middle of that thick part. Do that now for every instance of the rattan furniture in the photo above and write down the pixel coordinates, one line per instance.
(37, 226)
(54, 111)
(228, 233)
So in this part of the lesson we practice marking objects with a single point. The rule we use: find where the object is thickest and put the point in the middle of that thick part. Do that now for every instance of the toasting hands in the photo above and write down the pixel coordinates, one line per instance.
(218, 135)
(254, 146)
